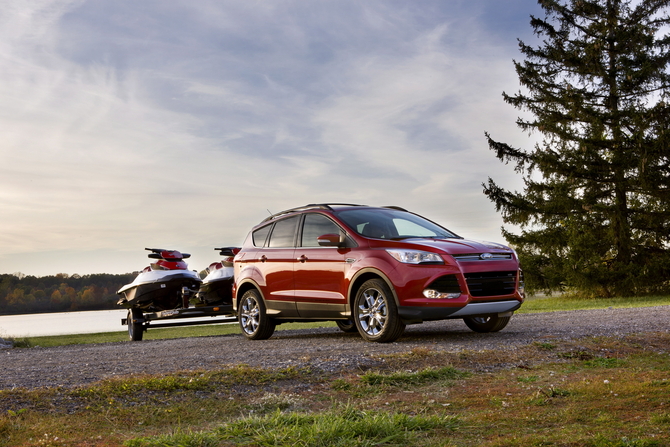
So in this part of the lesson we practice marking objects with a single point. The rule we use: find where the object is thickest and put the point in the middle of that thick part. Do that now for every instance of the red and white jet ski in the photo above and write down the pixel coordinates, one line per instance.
(217, 286)
(165, 284)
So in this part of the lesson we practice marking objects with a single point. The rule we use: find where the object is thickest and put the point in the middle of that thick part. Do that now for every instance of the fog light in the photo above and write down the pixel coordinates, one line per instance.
(434, 294)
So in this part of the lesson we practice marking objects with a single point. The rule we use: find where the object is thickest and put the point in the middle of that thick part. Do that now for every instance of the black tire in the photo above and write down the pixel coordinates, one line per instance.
(253, 317)
(376, 314)
(135, 327)
(346, 325)
(486, 323)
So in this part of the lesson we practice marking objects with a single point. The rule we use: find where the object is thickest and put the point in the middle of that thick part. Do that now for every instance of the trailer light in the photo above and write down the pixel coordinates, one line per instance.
(434, 294)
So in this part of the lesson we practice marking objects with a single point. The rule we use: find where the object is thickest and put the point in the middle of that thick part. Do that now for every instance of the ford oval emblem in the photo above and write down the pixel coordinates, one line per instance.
(485, 256)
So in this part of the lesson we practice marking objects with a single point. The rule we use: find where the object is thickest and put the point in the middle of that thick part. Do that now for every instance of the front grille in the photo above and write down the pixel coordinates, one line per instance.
(446, 284)
(491, 283)
(478, 257)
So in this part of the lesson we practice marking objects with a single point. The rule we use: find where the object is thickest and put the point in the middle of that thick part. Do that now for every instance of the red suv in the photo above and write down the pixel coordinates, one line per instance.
(371, 270)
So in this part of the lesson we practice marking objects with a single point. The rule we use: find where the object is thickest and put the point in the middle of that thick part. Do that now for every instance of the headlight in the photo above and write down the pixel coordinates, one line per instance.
(416, 257)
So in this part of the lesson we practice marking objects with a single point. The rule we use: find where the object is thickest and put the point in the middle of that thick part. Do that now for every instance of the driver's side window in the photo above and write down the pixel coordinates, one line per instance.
(316, 225)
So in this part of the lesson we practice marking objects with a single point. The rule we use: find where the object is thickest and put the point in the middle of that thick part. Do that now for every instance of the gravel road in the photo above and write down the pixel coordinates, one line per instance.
(327, 349)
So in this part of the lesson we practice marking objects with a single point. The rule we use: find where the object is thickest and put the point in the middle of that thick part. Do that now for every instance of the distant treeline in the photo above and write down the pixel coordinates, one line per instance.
(20, 294)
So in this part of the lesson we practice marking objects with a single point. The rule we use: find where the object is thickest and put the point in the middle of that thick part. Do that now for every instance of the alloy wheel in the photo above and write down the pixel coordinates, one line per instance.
(249, 316)
(373, 312)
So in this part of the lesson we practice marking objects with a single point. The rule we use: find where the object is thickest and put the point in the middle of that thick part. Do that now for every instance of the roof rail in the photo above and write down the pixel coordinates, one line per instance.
(393, 207)
(323, 206)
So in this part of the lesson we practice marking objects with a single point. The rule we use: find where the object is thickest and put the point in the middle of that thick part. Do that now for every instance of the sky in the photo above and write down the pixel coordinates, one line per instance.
(177, 124)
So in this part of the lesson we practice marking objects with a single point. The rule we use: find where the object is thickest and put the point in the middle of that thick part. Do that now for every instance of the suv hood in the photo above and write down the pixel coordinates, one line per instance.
(459, 246)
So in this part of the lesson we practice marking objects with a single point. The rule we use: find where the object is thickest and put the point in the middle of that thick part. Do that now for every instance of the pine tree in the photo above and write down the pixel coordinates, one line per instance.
(594, 215)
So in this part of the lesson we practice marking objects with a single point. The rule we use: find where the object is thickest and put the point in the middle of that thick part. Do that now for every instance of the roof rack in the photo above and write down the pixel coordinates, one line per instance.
(323, 206)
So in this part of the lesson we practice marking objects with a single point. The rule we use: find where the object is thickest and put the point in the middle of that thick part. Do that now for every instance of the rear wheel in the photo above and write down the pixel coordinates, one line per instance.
(376, 314)
(346, 325)
(254, 321)
(486, 323)
(135, 327)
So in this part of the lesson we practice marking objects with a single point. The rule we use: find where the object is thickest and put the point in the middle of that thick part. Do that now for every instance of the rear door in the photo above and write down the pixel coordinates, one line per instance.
(276, 261)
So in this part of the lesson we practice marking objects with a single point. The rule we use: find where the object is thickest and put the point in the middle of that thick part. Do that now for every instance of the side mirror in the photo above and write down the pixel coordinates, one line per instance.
(329, 240)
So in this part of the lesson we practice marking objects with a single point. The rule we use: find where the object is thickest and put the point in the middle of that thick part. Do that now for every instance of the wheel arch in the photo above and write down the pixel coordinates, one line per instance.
(360, 278)
(243, 287)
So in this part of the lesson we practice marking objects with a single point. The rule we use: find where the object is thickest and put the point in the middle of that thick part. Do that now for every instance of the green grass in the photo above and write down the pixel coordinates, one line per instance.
(343, 425)
(401, 378)
(594, 392)
(536, 304)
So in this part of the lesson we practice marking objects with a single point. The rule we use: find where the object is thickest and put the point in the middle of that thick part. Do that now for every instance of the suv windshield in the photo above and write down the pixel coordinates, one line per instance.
(391, 224)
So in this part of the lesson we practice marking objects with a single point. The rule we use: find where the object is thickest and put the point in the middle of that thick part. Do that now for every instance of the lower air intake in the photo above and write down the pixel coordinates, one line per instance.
(491, 283)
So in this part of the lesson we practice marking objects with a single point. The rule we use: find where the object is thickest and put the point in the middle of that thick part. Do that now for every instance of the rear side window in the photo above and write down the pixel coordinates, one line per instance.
(316, 225)
(283, 234)
(261, 235)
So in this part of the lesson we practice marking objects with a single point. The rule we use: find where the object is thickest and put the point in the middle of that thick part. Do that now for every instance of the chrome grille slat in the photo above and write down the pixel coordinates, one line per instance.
(477, 257)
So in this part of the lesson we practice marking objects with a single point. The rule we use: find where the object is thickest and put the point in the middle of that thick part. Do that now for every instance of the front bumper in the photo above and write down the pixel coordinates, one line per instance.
(412, 314)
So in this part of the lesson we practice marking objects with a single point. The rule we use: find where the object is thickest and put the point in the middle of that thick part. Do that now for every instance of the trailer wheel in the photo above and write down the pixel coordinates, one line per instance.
(135, 328)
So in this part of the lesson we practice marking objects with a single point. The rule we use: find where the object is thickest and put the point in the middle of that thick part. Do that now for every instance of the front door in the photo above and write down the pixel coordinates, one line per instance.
(320, 291)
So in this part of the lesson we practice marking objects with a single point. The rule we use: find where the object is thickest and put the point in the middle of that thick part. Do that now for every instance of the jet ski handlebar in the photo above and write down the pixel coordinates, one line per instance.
(228, 251)
(161, 253)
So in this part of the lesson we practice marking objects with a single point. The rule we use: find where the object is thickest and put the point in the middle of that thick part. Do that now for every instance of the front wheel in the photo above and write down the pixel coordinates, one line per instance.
(135, 326)
(253, 317)
(376, 314)
(486, 323)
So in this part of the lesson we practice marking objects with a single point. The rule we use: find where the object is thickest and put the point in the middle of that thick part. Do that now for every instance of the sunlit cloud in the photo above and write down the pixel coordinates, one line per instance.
(182, 124)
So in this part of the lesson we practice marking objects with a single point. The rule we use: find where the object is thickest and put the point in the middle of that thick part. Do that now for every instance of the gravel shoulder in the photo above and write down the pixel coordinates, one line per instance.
(326, 349)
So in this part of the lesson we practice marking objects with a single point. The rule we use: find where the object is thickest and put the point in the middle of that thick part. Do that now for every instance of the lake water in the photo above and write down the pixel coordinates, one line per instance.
(65, 323)
(62, 323)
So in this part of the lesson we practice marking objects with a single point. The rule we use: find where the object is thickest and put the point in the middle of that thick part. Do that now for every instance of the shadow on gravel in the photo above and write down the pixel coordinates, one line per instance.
(429, 332)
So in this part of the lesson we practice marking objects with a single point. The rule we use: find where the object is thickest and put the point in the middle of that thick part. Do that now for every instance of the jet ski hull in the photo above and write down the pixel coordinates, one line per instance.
(157, 290)
(215, 292)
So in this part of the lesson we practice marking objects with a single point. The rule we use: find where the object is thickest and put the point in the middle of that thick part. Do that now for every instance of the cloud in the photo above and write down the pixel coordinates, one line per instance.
(127, 124)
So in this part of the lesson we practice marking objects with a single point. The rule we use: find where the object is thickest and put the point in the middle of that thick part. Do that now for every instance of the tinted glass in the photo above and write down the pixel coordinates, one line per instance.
(391, 224)
(283, 234)
(316, 225)
(261, 235)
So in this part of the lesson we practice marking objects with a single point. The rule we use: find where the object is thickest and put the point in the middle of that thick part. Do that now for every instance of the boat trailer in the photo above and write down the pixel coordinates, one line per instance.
(138, 322)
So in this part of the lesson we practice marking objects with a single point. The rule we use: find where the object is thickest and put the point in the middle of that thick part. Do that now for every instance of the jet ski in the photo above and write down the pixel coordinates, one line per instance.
(163, 285)
(217, 285)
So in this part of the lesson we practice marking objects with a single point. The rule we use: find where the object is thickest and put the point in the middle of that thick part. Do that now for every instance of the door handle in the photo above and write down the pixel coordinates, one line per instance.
(302, 258)
(264, 258)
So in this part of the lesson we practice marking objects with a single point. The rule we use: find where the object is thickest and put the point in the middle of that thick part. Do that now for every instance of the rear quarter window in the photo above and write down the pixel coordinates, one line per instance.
(260, 236)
